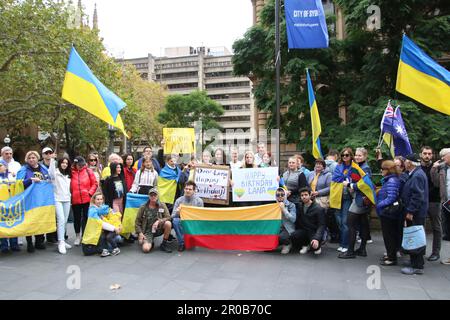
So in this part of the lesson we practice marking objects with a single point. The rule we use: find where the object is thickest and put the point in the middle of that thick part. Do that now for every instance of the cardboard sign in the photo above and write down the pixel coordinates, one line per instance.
(179, 140)
(255, 184)
(212, 183)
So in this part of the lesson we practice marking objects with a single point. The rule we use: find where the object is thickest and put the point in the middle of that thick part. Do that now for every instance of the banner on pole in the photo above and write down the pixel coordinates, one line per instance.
(306, 25)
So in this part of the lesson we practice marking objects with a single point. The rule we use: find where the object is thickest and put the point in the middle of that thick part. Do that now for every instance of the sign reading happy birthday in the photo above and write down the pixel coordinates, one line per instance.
(254, 184)
(212, 183)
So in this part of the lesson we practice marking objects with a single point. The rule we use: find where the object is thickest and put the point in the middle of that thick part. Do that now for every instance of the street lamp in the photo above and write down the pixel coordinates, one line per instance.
(7, 140)
(112, 132)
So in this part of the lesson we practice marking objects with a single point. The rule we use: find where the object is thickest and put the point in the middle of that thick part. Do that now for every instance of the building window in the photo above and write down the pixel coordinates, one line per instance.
(183, 86)
(228, 85)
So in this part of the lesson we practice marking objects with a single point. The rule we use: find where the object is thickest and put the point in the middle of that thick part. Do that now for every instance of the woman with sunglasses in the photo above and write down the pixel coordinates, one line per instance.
(94, 166)
(342, 175)
(289, 215)
(358, 217)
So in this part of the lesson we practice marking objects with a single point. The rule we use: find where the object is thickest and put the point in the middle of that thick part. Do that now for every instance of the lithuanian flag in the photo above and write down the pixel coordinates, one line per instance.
(245, 228)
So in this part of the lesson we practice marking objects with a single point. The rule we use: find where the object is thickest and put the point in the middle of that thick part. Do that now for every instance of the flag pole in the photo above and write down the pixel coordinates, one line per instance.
(277, 85)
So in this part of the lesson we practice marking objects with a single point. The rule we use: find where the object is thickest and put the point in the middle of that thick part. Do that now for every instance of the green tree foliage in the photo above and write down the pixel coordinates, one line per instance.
(359, 72)
(181, 111)
(35, 41)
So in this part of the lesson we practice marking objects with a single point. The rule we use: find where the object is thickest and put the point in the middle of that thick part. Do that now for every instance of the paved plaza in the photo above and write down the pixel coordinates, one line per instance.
(203, 274)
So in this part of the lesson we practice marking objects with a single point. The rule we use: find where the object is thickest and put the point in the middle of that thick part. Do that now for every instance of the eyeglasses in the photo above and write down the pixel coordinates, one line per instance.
(279, 195)
(48, 152)
(345, 155)
(92, 160)
(153, 195)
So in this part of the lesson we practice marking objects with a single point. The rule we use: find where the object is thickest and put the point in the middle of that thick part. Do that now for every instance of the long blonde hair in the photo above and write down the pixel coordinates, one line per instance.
(95, 195)
(244, 161)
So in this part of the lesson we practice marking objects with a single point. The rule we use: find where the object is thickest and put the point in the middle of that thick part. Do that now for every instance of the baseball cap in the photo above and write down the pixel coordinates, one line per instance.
(153, 190)
(79, 160)
(413, 157)
(47, 149)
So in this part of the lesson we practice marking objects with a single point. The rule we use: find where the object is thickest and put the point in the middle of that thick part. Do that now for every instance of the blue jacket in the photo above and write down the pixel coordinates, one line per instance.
(323, 183)
(388, 194)
(26, 173)
(415, 194)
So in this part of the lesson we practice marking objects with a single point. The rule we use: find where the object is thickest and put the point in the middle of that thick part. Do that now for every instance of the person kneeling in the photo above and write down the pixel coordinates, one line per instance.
(288, 215)
(309, 225)
(153, 220)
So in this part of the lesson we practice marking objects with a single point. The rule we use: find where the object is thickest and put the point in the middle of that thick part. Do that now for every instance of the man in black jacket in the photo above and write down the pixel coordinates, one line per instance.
(309, 225)
(415, 199)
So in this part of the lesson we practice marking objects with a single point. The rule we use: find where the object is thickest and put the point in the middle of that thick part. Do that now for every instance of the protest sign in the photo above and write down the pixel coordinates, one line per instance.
(212, 183)
(179, 140)
(255, 184)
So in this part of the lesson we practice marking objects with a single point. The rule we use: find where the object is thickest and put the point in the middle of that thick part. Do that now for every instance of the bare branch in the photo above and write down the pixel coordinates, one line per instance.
(7, 63)
(11, 101)
(37, 105)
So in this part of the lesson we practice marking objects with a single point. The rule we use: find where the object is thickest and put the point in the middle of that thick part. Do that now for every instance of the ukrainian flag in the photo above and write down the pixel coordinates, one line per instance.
(363, 182)
(422, 79)
(167, 184)
(83, 89)
(28, 213)
(132, 205)
(315, 120)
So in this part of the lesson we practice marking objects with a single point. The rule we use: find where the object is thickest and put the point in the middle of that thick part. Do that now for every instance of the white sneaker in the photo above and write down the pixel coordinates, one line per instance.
(62, 248)
(68, 246)
(399, 254)
(339, 249)
(20, 241)
(318, 251)
(369, 241)
(304, 250)
(344, 250)
(359, 240)
(115, 252)
(286, 249)
(77, 240)
(105, 253)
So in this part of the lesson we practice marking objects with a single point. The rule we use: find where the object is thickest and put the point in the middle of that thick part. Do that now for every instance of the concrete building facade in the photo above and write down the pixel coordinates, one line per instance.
(185, 69)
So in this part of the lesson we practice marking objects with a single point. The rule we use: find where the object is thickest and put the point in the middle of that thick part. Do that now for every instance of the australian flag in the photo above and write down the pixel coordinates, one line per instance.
(394, 132)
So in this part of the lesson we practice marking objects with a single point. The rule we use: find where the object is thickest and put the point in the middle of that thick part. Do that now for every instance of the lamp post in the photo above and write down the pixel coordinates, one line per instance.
(112, 132)
(7, 140)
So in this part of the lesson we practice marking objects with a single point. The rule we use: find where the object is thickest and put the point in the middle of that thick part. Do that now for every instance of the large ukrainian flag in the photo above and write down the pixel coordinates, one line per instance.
(83, 89)
(29, 213)
(422, 79)
(132, 205)
(315, 120)
(247, 228)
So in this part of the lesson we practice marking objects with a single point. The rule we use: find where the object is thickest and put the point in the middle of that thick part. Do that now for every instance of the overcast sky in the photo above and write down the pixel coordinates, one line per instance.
(134, 28)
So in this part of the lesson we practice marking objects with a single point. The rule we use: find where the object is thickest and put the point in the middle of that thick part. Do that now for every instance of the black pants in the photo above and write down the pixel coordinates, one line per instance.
(284, 237)
(302, 238)
(417, 261)
(332, 224)
(39, 238)
(80, 216)
(354, 222)
(392, 231)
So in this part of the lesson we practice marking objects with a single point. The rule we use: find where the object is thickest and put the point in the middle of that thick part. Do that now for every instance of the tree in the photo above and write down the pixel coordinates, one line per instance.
(359, 71)
(35, 41)
(182, 111)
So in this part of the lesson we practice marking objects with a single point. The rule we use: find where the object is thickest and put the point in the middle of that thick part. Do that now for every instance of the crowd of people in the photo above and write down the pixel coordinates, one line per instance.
(412, 188)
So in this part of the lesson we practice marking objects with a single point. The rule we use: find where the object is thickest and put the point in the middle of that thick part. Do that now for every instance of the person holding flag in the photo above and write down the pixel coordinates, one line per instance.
(394, 133)
(364, 194)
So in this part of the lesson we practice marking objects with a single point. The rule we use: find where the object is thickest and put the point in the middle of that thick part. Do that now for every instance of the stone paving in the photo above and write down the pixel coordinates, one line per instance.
(203, 274)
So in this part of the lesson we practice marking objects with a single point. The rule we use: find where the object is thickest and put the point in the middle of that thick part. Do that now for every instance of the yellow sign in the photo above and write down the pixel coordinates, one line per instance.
(179, 140)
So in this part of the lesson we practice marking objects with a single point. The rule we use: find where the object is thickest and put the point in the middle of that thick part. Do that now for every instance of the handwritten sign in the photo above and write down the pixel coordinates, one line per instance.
(212, 183)
(255, 184)
(179, 140)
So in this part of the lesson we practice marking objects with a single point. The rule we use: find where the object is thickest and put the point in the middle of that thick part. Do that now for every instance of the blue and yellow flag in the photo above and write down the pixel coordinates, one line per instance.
(134, 201)
(29, 213)
(83, 89)
(315, 120)
(422, 79)
(167, 184)
(363, 182)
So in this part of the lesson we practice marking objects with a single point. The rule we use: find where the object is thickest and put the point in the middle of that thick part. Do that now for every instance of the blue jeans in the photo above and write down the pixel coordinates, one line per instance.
(341, 219)
(178, 230)
(11, 242)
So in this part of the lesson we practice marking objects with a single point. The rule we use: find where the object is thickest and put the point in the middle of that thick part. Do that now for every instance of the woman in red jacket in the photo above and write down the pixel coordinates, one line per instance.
(128, 171)
(82, 186)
